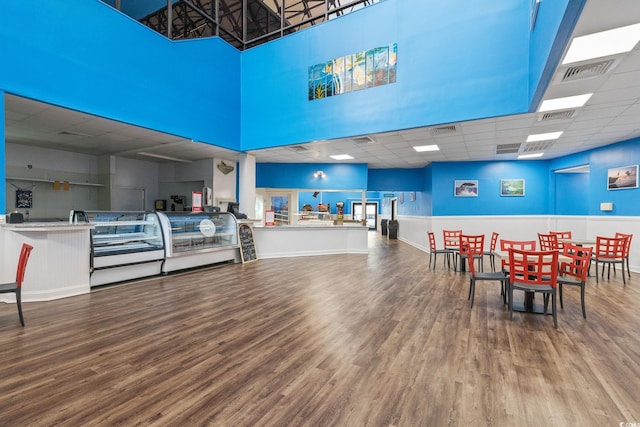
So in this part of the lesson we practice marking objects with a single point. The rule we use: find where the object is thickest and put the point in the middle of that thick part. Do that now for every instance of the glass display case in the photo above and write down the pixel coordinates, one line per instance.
(199, 238)
(124, 245)
(125, 232)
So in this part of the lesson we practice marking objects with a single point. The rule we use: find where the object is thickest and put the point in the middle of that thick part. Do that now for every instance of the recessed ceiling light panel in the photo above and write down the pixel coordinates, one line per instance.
(341, 157)
(564, 103)
(544, 136)
(604, 43)
(423, 148)
(530, 156)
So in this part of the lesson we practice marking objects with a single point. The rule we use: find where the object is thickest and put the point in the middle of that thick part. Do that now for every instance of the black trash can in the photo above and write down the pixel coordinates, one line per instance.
(393, 229)
(383, 226)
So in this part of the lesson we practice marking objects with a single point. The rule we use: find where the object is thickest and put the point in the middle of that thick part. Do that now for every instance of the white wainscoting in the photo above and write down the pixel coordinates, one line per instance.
(413, 229)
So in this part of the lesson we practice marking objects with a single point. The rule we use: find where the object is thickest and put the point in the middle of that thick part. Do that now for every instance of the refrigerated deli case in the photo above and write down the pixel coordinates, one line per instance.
(198, 239)
(125, 246)
(131, 245)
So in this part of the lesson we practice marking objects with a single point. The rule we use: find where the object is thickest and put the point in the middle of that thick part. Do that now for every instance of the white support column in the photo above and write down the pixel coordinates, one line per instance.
(247, 184)
(3, 164)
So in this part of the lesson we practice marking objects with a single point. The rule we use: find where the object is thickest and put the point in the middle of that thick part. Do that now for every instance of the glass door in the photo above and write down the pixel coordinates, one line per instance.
(371, 212)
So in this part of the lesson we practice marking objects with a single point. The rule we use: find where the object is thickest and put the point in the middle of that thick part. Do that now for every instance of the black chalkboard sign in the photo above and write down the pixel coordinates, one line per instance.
(247, 245)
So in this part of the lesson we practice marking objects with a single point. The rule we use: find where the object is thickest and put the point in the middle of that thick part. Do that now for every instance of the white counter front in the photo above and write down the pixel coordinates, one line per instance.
(297, 240)
(59, 263)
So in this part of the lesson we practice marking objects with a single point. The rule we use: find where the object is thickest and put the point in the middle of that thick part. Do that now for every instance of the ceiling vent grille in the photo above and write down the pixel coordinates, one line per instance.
(557, 115)
(533, 147)
(584, 71)
(507, 148)
(443, 130)
(363, 140)
(298, 148)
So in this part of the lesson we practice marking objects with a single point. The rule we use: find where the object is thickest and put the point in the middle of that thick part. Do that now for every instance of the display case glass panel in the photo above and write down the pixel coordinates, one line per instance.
(124, 232)
(202, 230)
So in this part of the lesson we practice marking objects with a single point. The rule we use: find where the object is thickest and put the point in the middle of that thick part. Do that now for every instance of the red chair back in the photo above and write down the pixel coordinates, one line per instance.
(610, 247)
(578, 266)
(476, 243)
(561, 235)
(523, 245)
(432, 241)
(22, 263)
(533, 268)
(494, 241)
(627, 243)
(548, 242)
(452, 238)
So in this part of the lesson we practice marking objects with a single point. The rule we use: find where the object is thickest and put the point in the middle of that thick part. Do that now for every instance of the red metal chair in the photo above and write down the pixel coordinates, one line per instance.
(16, 287)
(575, 271)
(434, 251)
(492, 249)
(534, 272)
(476, 251)
(452, 239)
(523, 245)
(610, 251)
(548, 242)
(627, 249)
(562, 235)
(491, 276)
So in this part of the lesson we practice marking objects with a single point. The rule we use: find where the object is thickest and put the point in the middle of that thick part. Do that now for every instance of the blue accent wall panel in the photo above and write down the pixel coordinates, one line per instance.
(571, 192)
(85, 56)
(301, 176)
(625, 201)
(396, 179)
(451, 67)
(489, 202)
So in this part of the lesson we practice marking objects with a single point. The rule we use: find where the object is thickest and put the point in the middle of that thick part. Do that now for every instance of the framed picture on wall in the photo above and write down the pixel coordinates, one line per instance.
(465, 188)
(622, 178)
(512, 187)
(24, 198)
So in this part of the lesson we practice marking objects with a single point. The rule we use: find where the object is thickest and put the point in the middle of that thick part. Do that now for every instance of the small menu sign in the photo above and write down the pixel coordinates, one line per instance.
(247, 245)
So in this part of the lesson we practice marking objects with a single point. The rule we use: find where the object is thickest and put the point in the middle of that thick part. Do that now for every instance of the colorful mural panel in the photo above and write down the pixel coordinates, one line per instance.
(361, 70)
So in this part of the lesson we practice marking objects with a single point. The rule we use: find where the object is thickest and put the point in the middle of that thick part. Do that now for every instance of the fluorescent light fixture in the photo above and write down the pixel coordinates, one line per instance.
(160, 156)
(341, 157)
(423, 148)
(604, 43)
(564, 103)
(544, 136)
(530, 156)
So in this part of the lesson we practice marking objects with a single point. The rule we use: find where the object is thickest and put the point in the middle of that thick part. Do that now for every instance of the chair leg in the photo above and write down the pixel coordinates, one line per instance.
(510, 302)
(628, 269)
(560, 289)
(472, 291)
(584, 312)
(19, 304)
(596, 270)
(554, 310)
(545, 299)
(624, 276)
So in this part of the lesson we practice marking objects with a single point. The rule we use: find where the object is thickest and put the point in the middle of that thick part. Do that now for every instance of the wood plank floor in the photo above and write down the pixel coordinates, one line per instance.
(351, 340)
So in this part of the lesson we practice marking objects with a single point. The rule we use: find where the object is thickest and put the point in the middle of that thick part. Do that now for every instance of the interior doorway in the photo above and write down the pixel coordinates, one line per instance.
(371, 213)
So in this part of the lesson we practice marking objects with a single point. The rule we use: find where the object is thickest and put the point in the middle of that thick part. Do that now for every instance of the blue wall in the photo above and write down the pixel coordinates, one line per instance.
(489, 201)
(451, 67)
(88, 57)
(301, 176)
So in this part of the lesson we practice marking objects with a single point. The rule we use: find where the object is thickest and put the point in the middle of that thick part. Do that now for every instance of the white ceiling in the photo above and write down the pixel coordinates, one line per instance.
(612, 114)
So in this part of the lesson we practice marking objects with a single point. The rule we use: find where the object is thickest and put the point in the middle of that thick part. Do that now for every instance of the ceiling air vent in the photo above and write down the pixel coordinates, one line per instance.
(507, 148)
(298, 148)
(556, 115)
(533, 147)
(363, 140)
(585, 71)
(443, 130)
